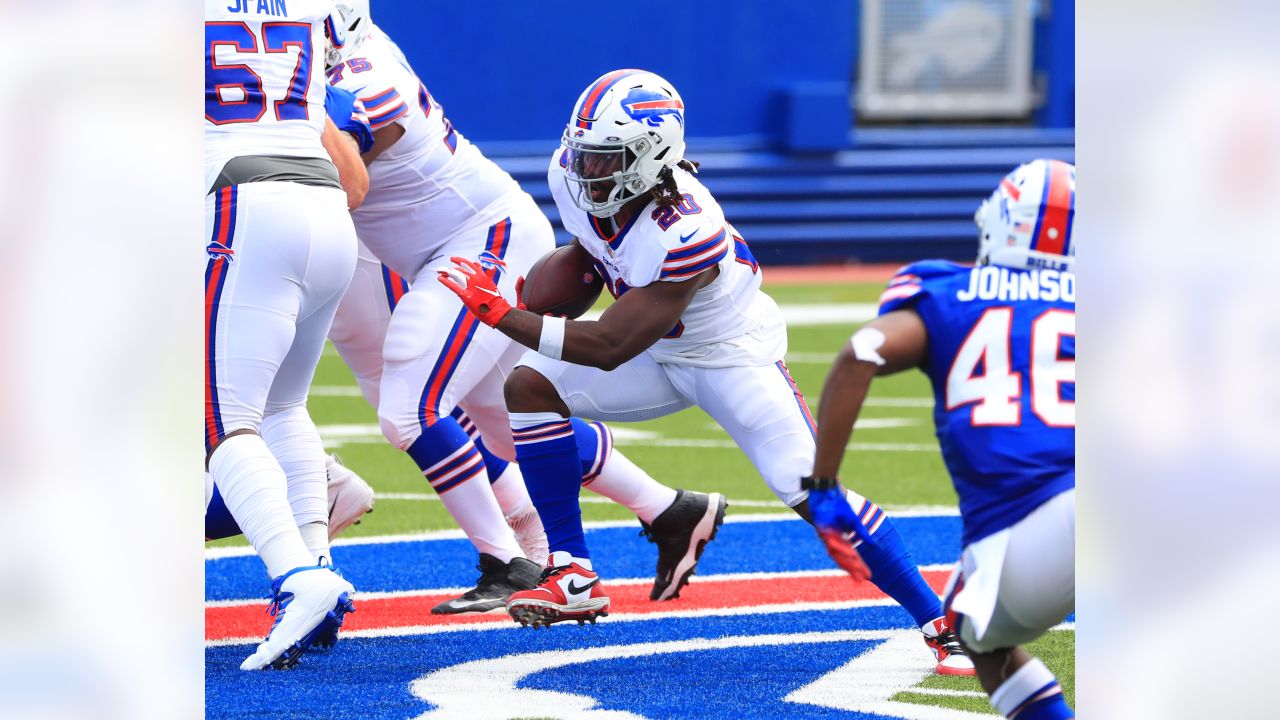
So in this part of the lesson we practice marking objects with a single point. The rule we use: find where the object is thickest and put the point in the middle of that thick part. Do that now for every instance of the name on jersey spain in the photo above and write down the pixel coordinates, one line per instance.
(264, 7)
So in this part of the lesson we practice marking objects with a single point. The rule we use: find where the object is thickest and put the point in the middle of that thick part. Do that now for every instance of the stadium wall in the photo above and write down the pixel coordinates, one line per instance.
(753, 73)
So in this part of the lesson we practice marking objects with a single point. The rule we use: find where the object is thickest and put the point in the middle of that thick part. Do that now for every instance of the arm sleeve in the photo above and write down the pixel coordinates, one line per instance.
(348, 113)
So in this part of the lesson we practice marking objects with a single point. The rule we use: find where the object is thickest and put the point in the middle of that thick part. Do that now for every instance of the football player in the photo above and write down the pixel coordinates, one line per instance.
(997, 342)
(689, 326)
(281, 249)
(349, 496)
(434, 195)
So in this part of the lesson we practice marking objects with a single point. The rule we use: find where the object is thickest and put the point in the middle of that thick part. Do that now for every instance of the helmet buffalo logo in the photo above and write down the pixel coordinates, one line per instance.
(580, 133)
(649, 106)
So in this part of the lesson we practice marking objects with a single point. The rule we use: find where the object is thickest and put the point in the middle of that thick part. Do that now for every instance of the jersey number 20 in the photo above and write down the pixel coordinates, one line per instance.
(996, 392)
(233, 92)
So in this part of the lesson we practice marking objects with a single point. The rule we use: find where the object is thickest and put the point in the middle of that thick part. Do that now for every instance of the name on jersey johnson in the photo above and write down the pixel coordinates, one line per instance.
(1003, 284)
(264, 7)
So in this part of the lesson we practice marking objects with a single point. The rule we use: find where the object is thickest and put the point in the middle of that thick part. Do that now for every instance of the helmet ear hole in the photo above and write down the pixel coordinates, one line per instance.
(662, 154)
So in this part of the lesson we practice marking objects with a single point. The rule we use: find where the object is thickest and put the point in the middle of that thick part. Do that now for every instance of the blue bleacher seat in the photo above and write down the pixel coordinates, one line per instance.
(901, 194)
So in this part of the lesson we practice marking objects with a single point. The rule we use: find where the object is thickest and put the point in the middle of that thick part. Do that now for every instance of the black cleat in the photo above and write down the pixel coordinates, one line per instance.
(497, 582)
(681, 533)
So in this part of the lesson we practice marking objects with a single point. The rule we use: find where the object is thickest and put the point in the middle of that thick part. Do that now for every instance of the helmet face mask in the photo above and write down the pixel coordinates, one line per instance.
(627, 128)
(603, 178)
(1027, 222)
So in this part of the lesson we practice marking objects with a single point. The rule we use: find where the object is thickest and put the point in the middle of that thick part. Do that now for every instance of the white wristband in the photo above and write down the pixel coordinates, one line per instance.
(551, 342)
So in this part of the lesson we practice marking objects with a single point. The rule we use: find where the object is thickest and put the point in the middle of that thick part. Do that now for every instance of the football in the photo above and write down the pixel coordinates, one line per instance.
(562, 282)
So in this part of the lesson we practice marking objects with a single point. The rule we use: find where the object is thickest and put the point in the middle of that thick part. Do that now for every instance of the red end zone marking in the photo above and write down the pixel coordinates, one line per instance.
(630, 599)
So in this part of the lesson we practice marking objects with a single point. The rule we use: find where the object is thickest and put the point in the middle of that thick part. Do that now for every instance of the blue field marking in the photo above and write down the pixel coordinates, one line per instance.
(370, 677)
(777, 546)
(725, 683)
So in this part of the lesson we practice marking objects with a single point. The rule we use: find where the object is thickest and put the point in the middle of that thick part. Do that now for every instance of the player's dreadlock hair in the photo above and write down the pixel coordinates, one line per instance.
(665, 193)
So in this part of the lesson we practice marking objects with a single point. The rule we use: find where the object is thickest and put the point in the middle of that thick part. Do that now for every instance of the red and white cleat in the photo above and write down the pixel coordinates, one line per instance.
(946, 647)
(569, 590)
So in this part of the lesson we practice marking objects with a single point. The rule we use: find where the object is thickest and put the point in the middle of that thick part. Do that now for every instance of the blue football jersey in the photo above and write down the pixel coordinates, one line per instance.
(1001, 360)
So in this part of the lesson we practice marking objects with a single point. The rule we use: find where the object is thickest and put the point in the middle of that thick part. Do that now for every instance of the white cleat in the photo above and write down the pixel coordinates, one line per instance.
(350, 497)
(532, 539)
(308, 603)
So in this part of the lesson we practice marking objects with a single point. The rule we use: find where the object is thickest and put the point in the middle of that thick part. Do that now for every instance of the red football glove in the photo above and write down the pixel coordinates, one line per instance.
(520, 293)
(845, 555)
(475, 286)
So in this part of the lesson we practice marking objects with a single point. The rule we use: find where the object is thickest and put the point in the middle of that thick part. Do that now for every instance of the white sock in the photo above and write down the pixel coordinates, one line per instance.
(473, 505)
(1030, 680)
(293, 438)
(623, 482)
(510, 490)
(316, 537)
(253, 487)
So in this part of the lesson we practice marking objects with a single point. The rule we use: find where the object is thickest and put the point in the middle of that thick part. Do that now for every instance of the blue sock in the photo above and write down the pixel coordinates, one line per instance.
(493, 464)
(1031, 693)
(595, 442)
(218, 522)
(446, 455)
(547, 451)
(893, 570)
(1054, 707)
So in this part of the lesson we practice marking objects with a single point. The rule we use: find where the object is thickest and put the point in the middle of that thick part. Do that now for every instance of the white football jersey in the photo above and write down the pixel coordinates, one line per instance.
(432, 183)
(729, 322)
(263, 80)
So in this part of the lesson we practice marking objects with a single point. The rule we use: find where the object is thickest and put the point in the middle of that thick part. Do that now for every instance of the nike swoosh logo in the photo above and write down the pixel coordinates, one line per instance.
(458, 603)
(686, 238)
(574, 589)
(488, 291)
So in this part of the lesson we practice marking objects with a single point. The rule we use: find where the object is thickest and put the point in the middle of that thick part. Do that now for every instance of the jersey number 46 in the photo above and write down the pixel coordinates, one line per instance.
(982, 373)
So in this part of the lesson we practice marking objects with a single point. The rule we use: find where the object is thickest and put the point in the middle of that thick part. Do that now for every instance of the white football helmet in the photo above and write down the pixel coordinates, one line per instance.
(346, 27)
(626, 127)
(1027, 222)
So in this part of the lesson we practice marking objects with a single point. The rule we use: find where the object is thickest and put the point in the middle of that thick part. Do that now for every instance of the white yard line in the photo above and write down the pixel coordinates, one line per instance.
(945, 692)
(218, 553)
(826, 358)
(696, 579)
(342, 434)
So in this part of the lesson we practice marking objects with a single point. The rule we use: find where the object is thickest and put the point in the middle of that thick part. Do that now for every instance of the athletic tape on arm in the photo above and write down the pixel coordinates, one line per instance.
(866, 343)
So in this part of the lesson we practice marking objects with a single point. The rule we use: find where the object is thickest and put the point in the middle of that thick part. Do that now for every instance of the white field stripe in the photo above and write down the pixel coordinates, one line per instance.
(792, 358)
(945, 692)
(487, 689)
(338, 435)
(868, 682)
(219, 553)
(636, 617)
(628, 617)
(695, 579)
(335, 391)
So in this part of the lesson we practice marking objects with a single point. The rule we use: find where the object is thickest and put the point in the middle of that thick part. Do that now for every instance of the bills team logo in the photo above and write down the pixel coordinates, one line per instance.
(650, 107)
(489, 261)
(218, 251)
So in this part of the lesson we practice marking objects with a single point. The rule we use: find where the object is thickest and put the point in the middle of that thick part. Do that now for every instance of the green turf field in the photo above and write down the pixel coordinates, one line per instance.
(902, 469)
